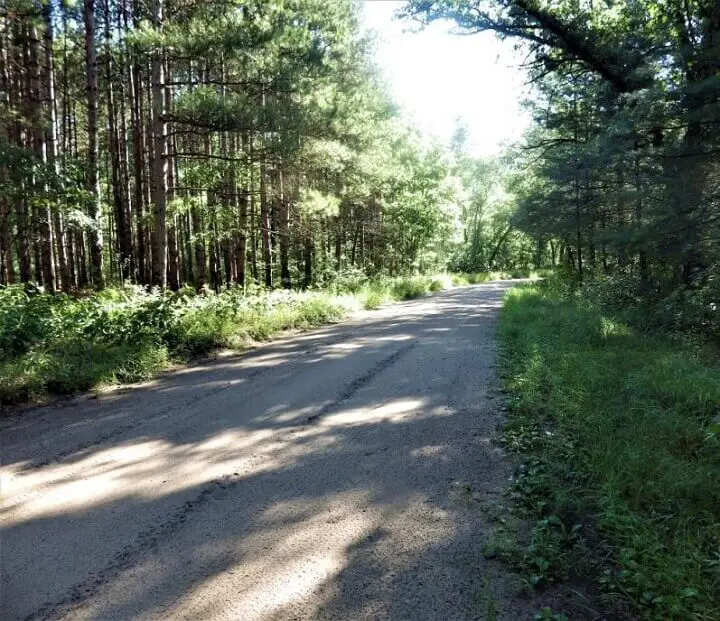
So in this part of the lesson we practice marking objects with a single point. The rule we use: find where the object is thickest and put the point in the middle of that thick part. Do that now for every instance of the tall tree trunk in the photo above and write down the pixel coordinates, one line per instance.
(21, 211)
(44, 268)
(173, 250)
(215, 277)
(124, 243)
(283, 213)
(51, 149)
(241, 241)
(578, 220)
(189, 275)
(93, 184)
(159, 167)
(125, 70)
(308, 256)
(253, 217)
(81, 253)
(138, 140)
(200, 259)
(7, 269)
(642, 253)
(338, 240)
(265, 226)
(67, 236)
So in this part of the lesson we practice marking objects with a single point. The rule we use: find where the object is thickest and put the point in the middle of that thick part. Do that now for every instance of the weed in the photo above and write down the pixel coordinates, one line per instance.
(547, 614)
(489, 607)
(615, 427)
(61, 344)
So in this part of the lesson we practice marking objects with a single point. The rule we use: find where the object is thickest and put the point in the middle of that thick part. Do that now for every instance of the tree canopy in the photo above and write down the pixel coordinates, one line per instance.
(619, 171)
(176, 142)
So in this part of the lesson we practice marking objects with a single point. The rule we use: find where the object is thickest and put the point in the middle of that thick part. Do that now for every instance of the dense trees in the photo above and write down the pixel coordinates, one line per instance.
(207, 143)
(202, 143)
(620, 171)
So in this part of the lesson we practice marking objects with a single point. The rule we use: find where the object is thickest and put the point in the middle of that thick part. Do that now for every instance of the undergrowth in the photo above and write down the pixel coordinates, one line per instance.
(64, 344)
(618, 437)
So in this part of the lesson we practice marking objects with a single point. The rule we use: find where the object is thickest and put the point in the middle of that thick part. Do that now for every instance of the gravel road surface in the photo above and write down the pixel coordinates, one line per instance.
(337, 474)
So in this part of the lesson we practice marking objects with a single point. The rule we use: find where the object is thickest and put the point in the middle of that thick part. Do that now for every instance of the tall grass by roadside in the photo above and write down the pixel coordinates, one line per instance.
(476, 278)
(62, 344)
(619, 435)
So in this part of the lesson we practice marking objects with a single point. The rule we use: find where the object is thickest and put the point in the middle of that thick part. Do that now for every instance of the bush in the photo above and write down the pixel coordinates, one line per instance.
(692, 311)
(62, 344)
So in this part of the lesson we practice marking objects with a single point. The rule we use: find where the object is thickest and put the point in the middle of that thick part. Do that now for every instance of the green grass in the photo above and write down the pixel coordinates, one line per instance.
(619, 438)
(476, 278)
(62, 344)
(382, 291)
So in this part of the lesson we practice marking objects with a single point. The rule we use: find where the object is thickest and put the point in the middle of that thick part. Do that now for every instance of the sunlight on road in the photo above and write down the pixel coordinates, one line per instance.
(155, 468)
(309, 479)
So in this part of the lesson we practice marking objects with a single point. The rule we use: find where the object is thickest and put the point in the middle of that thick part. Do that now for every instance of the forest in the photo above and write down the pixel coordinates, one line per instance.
(178, 177)
(618, 175)
(212, 144)
(207, 145)
(168, 169)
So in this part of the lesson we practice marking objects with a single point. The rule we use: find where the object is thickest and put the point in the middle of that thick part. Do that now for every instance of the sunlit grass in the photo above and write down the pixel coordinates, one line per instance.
(622, 430)
(59, 344)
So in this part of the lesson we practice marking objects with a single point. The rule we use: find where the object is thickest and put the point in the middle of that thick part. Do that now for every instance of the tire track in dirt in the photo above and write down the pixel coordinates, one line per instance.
(150, 538)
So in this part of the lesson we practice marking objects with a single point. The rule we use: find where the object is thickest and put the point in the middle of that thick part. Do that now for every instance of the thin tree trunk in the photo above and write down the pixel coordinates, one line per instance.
(215, 278)
(83, 280)
(123, 235)
(18, 97)
(265, 226)
(159, 167)
(308, 256)
(241, 241)
(283, 213)
(200, 259)
(121, 24)
(7, 269)
(498, 245)
(253, 216)
(173, 250)
(138, 124)
(93, 185)
(642, 253)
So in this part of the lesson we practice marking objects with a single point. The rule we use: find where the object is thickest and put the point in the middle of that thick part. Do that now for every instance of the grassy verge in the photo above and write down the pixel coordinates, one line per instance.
(476, 278)
(618, 437)
(62, 345)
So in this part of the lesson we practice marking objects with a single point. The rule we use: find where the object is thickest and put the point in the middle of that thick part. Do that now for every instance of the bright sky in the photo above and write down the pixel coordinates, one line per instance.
(437, 77)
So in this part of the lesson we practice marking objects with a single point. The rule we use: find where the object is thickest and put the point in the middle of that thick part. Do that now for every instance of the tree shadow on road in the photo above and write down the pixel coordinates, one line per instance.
(204, 495)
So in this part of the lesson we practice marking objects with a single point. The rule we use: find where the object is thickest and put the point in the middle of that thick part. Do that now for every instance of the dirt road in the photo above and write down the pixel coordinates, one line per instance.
(338, 474)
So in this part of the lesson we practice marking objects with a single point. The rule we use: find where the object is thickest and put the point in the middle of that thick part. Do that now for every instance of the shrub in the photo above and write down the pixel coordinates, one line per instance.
(63, 344)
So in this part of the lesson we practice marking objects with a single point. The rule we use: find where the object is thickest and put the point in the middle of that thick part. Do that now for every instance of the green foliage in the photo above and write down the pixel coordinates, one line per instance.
(477, 278)
(384, 290)
(61, 344)
(490, 610)
(618, 174)
(73, 365)
(691, 310)
(617, 432)
(547, 614)
(487, 206)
